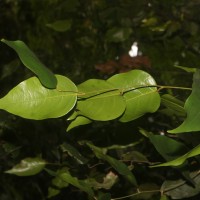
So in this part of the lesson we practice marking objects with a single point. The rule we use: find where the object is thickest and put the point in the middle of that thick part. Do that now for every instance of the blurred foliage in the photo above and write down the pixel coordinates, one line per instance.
(84, 39)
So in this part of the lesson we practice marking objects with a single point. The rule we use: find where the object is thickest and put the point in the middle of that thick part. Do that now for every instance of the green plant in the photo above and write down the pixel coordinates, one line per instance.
(124, 97)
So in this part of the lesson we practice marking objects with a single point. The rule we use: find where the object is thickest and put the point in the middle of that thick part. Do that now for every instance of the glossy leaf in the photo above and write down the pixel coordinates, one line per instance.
(79, 121)
(100, 100)
(192, 107)
(180, 160)
(31, 100)
(28, 167)
(119, 166)
(31, 61)
(60, 25)
(140, 98)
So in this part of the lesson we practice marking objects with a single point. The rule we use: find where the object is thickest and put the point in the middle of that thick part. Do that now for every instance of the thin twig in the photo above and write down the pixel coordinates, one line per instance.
(137, 193)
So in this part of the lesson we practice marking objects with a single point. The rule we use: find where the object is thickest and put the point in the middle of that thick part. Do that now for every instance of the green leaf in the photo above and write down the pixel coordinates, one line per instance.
(60, 25)
(119, 166)
(187, 69)
(31, 61)
(192, 107)
(135, 156)
(66, 176)
(118, 34)
(72, 151)
(79, 121)
(163, 197)
(52, 192)
(174, 104)
(31, 100)
(180, 160)
(140, 98)
(57, 181)
(180, 189)
(167, 147)
(104, 196)
(28, 167)
(100, 100)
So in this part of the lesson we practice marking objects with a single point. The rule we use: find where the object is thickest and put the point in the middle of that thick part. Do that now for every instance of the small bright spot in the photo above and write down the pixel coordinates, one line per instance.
(162, 133)
(134, 50)
(149, 4)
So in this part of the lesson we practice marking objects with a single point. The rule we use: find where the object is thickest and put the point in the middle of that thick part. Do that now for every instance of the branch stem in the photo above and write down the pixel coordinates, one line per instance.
(135, 194)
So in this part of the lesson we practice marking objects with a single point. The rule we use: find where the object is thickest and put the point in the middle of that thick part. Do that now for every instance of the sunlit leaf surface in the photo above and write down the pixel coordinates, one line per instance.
(31, 100)
(100, 100)
(138, 92)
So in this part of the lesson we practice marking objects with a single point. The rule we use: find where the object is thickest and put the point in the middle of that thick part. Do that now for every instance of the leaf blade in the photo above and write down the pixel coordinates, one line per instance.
(28, 167)
(119, 166)
(31, 100)
(100, 100)
(31, 61)
(180, 160)
(138, 101)
(60, 25)
(191, 123)
(81, 184)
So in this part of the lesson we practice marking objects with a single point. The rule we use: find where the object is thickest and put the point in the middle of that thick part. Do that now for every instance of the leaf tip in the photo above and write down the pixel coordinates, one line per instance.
(3, 40)
(8, 172)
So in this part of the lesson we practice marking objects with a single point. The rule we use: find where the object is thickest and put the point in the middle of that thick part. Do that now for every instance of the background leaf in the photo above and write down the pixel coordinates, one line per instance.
(104, 196)
(180, 189)
(187, 69)
(167, 147)
(138, 101)
(72, 151)
(60, 25)
(28, 167)
(175, 105)
(180, 160)
(192, 107)
(31, 61)
(119, 166)
(118, 34)
(81, 184)
(31, 100)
